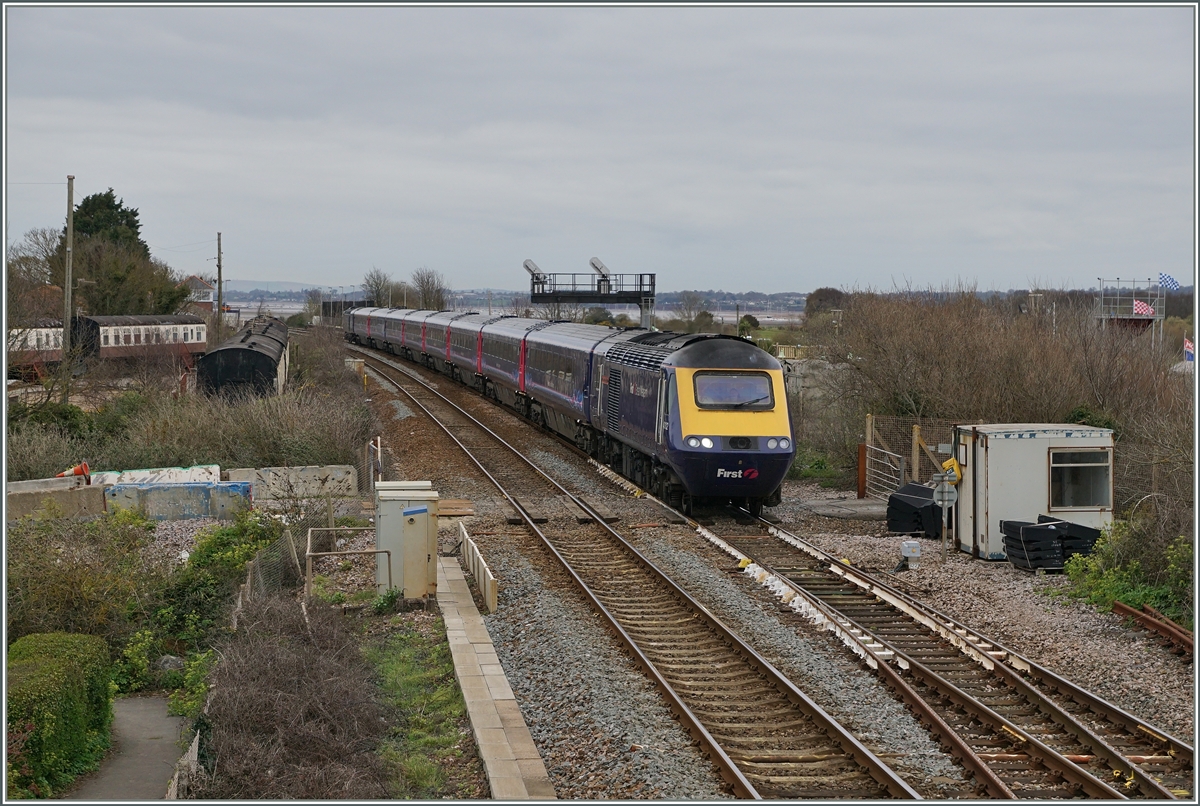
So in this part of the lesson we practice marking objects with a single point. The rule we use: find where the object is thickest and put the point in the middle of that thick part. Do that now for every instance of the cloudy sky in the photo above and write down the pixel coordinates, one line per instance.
(769, 149)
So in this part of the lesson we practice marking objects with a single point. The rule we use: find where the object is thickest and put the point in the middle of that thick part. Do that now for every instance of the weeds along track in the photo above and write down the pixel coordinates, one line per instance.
(1022, 731)
(766, 736)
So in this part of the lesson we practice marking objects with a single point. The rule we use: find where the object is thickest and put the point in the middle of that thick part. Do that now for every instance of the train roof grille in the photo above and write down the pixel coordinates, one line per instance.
(638, 355)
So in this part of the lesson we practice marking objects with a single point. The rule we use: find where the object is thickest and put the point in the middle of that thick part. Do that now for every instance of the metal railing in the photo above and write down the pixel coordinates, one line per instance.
(886, 472)
(594, 284)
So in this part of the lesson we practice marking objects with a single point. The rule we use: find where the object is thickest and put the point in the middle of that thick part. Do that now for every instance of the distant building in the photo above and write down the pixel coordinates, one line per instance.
(203, 298)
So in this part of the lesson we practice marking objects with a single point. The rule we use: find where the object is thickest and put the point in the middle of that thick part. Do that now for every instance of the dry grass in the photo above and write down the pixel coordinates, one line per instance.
(321, 419)
(292, 711)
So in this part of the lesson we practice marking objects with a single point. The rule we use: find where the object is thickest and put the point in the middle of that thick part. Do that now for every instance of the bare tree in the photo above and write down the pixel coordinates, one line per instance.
(519, 306)
(691, 305)
(376, 284)
(399, 295)
(560, 311)
(431, 289)
(312, 302)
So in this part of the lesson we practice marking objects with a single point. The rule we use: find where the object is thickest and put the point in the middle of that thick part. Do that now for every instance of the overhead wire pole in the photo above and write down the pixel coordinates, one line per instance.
(220, 292)
(66, 339)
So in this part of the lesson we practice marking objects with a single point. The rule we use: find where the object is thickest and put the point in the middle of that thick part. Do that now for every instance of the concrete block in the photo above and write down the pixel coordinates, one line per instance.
(46, 485)
(159, 475)
(310, 481)
(73, 501)
(170, 502)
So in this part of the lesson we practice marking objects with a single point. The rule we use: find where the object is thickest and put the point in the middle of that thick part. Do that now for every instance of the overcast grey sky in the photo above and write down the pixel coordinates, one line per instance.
(767, 149)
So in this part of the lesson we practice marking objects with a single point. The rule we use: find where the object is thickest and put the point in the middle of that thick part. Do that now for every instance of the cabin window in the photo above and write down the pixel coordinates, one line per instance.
(104, 338)
(744, 391)
(174, 334)
(1080, 478)
(137, 337)
(128, 337)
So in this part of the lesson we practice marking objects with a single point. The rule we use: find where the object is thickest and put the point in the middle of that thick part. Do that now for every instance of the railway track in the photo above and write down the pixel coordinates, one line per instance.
(1150, 619)
(766, 736)
(1023, 731)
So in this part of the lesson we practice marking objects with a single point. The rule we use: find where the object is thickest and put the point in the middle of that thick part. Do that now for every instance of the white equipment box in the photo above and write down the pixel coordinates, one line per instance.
(1017, 471)
(406, 524)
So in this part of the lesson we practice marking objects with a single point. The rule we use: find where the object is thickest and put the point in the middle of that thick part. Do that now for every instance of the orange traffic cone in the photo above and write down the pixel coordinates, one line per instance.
(80, 469)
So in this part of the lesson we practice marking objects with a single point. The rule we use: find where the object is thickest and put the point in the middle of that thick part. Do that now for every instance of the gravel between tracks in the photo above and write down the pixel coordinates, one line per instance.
(602, 730)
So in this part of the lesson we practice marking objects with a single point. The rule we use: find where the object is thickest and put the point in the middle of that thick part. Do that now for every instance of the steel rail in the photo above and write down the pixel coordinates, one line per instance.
(975, 643)
(1003, 661)
(883, 654)
(871, 764)
(1156, 622)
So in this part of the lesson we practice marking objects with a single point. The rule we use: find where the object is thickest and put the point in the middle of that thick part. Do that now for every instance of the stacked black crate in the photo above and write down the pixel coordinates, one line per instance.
(1076, 539)
(1033, 545)
(911, 511)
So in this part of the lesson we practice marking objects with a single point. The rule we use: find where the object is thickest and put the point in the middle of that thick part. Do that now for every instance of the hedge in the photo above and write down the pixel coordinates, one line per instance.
(59, 710)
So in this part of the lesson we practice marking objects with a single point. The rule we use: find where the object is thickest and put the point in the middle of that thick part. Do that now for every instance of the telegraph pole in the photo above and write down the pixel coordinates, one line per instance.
(66, 339)
(220, 292)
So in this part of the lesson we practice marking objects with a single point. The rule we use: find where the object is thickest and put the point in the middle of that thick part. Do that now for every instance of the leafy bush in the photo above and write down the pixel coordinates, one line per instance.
(133, 667)
(1110, 573)
(188, 700)
(90, 578)
(59, 710)
(197, 596)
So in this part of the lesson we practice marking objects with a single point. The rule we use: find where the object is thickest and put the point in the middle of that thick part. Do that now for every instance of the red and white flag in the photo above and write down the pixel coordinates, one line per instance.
(1142, 309)
(1189, 349)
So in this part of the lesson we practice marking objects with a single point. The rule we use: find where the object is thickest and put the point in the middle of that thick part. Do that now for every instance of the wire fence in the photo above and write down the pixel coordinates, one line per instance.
(916, 439)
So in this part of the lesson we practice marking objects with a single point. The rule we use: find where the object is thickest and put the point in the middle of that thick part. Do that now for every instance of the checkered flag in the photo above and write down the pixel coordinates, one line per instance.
(1142, 309)
(1168, 282)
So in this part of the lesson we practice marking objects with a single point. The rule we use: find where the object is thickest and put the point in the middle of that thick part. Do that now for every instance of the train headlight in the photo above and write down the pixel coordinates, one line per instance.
(706, 442)
(693, 442)
(772, 443)
(785, 444)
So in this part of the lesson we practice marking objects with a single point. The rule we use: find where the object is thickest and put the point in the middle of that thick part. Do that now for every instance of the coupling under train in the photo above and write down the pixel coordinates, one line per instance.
(693, 418)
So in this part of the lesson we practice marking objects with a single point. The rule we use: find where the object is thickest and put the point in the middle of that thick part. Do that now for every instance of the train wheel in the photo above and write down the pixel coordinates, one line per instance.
(674, 496)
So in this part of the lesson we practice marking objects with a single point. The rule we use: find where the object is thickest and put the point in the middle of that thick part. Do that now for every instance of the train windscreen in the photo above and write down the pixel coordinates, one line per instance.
(734, 390)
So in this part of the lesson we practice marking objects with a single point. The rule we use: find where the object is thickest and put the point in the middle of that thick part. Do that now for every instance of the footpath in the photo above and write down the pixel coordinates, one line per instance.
(145, 747)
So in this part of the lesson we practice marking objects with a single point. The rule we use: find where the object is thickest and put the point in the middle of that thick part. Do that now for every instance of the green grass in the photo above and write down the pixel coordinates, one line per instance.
(416, 677)
(813, 465)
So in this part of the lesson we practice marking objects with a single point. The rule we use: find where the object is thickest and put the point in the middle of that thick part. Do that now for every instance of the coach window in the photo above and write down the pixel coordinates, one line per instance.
(137, 337)
(174, 334)
(105, 338)
(1080, 479)
(128, 338)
